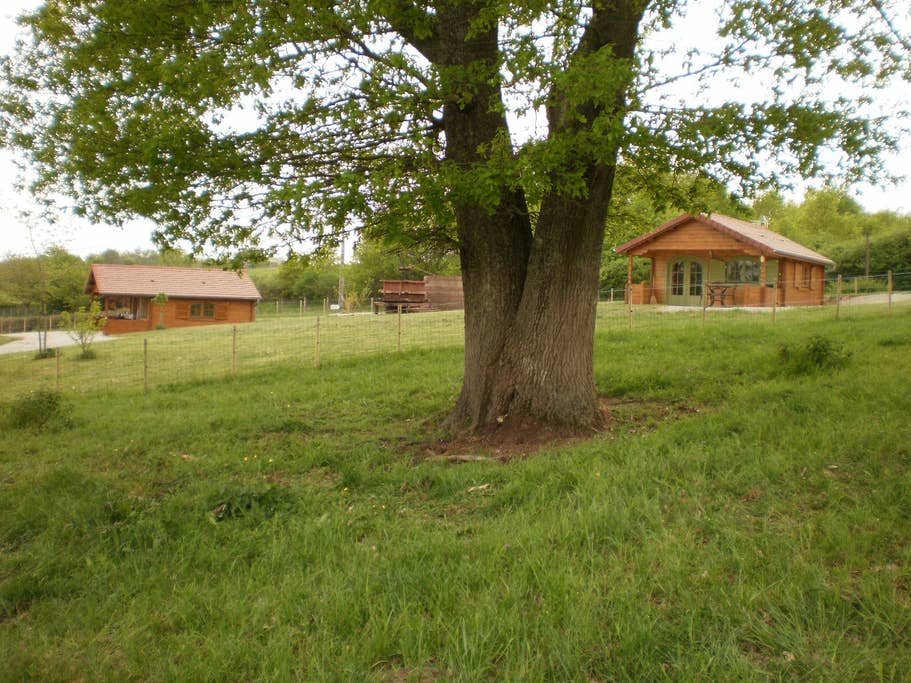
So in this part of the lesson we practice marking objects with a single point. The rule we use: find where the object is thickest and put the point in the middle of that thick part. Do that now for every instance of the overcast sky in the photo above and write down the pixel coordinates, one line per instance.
(84, 239)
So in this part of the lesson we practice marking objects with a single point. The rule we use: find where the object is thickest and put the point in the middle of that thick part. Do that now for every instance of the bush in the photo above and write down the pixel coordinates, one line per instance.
(817, 353)
(39, 409)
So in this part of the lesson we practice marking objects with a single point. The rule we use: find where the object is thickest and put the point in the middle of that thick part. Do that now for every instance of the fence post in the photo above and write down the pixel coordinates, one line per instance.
(612, 295)
(276, 307)
(326, 305)
(316, 357)
(398, 346)
(890, 291)
(300, 303)
(145, 365)
(57, 382)
(855, 285)
(628, 295)
(838, 297)
(705, 304)
(25, 324)
(234, 350)
(775, 300)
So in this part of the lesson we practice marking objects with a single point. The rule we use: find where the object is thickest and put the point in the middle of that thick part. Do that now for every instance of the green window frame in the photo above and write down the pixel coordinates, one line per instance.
(742, 270)
(202, 310)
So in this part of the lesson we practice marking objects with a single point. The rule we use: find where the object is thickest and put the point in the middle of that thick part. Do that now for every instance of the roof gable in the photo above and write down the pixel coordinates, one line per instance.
(203, 283)
(767, 242)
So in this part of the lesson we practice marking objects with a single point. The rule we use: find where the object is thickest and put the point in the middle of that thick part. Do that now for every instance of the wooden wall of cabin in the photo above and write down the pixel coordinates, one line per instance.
(177, 314)
(802, 284)
(742, 294)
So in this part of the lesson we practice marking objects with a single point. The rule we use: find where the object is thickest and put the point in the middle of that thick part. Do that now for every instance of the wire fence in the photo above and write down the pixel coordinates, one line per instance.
(144, 361)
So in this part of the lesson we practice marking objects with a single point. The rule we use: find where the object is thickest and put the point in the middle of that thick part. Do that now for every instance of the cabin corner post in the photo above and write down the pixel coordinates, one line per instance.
(629, 280)
(651, 280)
(762, 280)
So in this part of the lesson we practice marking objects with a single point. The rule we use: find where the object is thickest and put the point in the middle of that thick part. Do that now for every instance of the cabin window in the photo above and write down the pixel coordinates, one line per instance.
(745, 270)
(807, 279)
(678, 273)
(202, 310)
(695, 279)
(126, 307)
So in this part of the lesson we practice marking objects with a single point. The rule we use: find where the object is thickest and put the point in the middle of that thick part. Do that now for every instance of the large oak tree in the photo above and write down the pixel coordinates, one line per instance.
(494, 125)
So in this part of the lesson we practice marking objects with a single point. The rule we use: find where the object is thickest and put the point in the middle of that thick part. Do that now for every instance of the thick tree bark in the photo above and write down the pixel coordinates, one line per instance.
(530, 301)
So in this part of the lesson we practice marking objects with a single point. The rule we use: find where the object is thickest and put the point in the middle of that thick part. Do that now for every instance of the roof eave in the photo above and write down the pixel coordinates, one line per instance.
(802, 257)
(626, 247)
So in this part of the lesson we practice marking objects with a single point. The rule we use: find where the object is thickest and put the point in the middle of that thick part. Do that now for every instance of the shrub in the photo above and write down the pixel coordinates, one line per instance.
(83, 326)
(817, 353)
(39, 409)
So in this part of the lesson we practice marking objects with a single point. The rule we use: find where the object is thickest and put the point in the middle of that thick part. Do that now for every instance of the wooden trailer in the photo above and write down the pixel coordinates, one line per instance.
(433, 293)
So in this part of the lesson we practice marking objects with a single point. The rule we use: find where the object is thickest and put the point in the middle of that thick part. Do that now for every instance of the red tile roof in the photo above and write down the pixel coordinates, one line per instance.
(758, 236)
(180, 283)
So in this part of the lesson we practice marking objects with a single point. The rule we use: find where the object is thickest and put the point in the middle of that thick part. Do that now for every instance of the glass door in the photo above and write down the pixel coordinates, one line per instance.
(685, 282)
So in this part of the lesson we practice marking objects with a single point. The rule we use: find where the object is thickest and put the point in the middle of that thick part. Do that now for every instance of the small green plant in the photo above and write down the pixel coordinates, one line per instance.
(83, 326)
(160, 300)
(45, 353)
(243, 501)
(39, 409)
(817, 353)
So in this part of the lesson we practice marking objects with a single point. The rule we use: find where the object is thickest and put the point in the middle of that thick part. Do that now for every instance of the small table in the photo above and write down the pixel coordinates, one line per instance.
(718, 291)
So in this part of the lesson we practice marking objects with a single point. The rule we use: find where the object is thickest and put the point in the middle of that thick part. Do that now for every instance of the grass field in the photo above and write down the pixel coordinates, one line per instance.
(744, 518)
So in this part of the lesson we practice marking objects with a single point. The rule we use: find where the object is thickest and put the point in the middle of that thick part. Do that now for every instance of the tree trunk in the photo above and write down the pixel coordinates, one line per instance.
(530, 301)
(538, 368)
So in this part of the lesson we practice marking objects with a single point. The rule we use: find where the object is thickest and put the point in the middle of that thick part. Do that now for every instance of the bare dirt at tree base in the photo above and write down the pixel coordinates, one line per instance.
(520, 439)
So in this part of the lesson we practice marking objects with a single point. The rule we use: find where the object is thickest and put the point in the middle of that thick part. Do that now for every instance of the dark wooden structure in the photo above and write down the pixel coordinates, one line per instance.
(195, 296)
(433, 293)
(717, 260)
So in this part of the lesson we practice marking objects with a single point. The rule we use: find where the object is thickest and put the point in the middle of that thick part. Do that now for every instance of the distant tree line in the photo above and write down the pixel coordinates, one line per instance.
(53, 281)
(827, 220)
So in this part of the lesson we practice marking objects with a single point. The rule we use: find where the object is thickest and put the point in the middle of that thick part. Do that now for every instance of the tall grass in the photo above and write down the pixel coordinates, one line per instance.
(738, 521)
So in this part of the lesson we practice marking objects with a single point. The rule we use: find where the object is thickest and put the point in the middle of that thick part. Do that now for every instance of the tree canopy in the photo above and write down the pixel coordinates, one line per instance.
(228, 121)
(492, 126)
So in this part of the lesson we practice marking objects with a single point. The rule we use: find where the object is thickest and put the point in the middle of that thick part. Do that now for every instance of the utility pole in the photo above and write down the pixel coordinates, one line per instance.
(341, 277)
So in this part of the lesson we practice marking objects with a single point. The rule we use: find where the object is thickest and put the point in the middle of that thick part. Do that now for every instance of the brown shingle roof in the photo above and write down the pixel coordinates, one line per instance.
(202, 283)
(767, 241)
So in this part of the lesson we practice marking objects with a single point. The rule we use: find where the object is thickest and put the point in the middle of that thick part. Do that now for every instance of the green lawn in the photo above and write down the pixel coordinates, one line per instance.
(5, 339)
(740, 520)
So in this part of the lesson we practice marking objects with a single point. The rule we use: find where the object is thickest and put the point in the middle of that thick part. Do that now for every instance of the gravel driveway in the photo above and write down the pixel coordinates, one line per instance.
(28, 341)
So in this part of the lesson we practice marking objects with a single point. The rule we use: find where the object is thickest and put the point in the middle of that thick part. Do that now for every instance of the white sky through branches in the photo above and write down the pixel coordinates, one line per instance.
(81, 238)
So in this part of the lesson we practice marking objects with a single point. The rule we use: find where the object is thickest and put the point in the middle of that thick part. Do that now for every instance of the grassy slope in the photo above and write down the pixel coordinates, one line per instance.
(765, 534)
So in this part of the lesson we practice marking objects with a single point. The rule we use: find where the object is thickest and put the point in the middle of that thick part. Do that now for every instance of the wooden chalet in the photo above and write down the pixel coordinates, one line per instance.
(433, 293)
(195, 296)
(717, 260)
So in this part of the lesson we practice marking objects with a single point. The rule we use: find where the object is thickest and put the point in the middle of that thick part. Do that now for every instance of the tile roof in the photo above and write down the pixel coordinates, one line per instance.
(767, 241)
(179, 283)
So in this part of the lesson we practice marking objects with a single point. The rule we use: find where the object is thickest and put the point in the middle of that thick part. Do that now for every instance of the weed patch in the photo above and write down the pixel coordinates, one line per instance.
(817, 353)
(40, 410)
(236, 502)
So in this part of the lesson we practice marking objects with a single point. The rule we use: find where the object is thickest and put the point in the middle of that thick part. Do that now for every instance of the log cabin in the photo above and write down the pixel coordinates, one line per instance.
(716, 260)
(195, 296)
